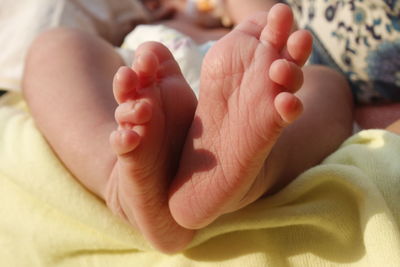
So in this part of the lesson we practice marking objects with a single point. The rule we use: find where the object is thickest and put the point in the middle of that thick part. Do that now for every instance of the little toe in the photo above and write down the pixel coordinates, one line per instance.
(134, 112)
(298, 47)
(279, 26)
(124, 141)
(286, 74)
(124, 84)
(288, 106)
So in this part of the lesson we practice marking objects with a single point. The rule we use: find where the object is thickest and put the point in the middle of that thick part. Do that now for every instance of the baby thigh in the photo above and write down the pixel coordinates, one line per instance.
(68, 87)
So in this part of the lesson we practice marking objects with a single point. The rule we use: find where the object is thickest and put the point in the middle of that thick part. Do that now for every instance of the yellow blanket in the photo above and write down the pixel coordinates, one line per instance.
(345, 211)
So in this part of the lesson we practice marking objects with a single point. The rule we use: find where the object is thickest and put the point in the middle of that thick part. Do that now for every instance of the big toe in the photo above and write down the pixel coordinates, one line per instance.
(279, 26)
(154, 59)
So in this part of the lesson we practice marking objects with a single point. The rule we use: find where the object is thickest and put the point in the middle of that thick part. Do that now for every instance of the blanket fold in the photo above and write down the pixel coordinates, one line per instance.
(344, 212)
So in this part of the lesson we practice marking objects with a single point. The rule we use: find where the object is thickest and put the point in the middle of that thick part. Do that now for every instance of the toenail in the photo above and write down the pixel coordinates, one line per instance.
(118, 74)
(134, 106)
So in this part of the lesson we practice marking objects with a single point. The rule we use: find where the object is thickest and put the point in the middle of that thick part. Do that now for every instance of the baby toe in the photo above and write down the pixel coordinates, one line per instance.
(279, 25)
(298, 47)
(124, 84)
(286, 74)
(134, 112)
(146, 66)
(124, 141)
(167, 64)
(288, 106)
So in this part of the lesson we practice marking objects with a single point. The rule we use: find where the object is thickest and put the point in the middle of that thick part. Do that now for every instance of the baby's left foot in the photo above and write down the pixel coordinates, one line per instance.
(248, 82)
(156, 108)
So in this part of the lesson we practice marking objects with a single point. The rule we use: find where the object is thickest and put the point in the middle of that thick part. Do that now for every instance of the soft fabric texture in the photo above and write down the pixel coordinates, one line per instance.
(342, 212)
(186, 52)
(22, 21)
(360, 39)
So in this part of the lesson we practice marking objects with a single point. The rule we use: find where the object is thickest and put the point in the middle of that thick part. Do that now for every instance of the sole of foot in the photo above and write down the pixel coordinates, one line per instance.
(248, 82)
(152, 128)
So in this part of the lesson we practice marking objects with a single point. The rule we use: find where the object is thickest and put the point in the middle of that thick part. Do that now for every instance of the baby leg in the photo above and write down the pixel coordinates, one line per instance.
(68, 85)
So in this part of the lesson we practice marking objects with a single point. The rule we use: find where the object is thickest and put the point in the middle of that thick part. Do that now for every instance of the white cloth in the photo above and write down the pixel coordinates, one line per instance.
(186, 52)
(22, 21)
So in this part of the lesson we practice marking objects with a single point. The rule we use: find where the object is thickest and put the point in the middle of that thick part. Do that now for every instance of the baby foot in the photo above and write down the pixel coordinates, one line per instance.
(148, 142)
(246, 99)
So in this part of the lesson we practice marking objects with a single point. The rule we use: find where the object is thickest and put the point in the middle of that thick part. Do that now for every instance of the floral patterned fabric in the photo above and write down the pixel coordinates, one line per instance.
(359, 38)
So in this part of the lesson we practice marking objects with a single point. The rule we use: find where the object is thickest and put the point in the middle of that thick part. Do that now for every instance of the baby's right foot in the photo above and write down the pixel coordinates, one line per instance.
(246, 99)
(156, 108)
